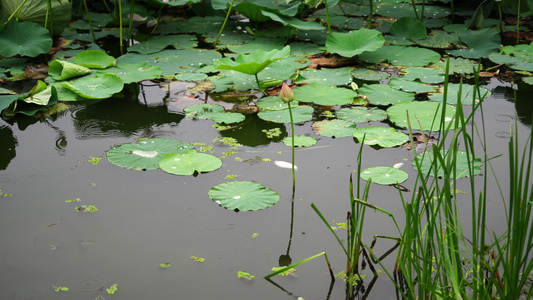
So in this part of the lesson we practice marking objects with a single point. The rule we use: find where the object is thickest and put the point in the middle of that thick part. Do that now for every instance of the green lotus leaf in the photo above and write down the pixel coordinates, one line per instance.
(188, 76)
(409, 28)
(274, 103)
(519, 57)
(228, 117)
(382, 136)
(461, 163)
(355, 42)
(134, 72)
(145, 154)
(300, 141)
(459, 65)
(158, 43)
(467, 94)
(259, 43)
(243, 195)
(293, 22)
(528, 80)
(36, 11)
(411, 86)
(367, 74)
(171, 2)
(426, 75)
(94, 59)
(61, 70)
(401, 56)
(334, 128)
(101, 87)
(394, 9)
(43, 97)
(480, 43)
(25, 39)
(299, 113)
(361, 114)
(254, 62)
(382, 94)
(425, 114)
(189, 163)
(323, 94)
(439, 39)
(337, 76)
(203, 111)
(384, 175)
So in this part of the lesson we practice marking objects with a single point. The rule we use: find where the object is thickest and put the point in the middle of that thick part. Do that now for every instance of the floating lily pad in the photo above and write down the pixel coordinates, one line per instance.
(427, 113)
(401, 56)
(382, 94)
(426, 75)
(519, 57)
(293, 22)
(384, 175)
(361, 114)
(259, 43)
(480, 43)
(334, 128)
(158, 43)
(203, 111)
(254, 62)
(382, 136)
(461, 164)
(299, 113)
(274, 103)
(467, 94)
(243, 195)
(94, 59)
(24, 38)
(439, 39)
(61, 70)
(337, 76)
(409, 28)
(135, 72)
(323, 94)
(101, 87)
(300, 141)
(367, 74)
(228, 117)
(411, 86)
(459, 65)
(189, 163)
(355, 42)
(145, 154)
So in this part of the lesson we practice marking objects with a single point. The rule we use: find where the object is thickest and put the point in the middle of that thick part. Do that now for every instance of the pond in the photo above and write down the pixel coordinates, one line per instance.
(152, 228)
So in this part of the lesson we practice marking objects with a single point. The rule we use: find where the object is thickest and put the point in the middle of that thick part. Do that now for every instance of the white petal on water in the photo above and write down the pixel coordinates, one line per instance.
(284, 164)
(398, 165)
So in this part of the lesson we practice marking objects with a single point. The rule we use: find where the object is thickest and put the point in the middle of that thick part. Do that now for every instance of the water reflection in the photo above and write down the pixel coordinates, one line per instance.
(7, 146)
(252, 132)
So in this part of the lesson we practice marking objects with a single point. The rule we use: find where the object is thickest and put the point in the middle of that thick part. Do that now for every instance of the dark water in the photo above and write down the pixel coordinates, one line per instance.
(148, 218)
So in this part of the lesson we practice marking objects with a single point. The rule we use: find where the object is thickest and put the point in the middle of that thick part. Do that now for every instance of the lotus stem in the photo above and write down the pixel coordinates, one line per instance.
(292, 147)
(89, 18)
(120, 26)
(258, 86)
(16, 11)
(224, 25)
(327, 16)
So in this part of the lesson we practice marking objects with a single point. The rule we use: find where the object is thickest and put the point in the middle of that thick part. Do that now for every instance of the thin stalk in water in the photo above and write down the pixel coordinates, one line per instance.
(224, 25)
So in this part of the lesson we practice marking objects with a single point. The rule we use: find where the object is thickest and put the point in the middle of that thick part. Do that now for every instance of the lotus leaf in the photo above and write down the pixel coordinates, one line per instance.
(519, 57)
(228, 117)
(42, 97)
(355, 42)
(61, 70)
(134, 72)
(145, 154)
(481, 43)
(172, 2)
(439, 39)
(459, 65)
(409, 28)
(426, 75)
(323, 94)
(24, 38)
(401, 56)
(203, 111)
(462, 163)
(293, 22)
(337, 76)
(300, 114)
(274, 103)
(334, 128)
(243, 195)
(101, 87)
(94, 59)
(254, 62)
(361, 114)
(367, 74)
(399, 10)
(158, 43)
(410, 86)
(425, 114)
(189, 163)
(299, 141)
(467, 94)
(259, 43)
(384, 175)
(254, 10)
(382, 94)
(36, 11)
(382, 136)
(192, 76)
